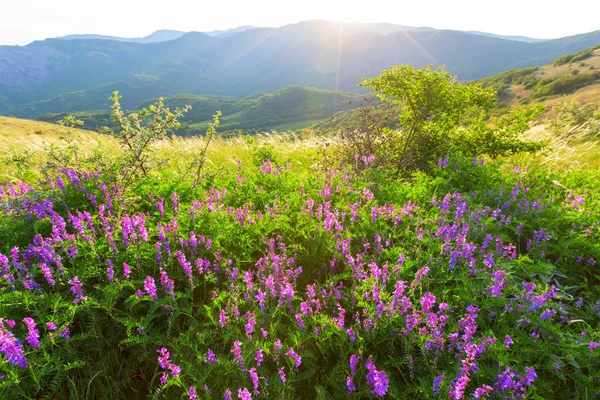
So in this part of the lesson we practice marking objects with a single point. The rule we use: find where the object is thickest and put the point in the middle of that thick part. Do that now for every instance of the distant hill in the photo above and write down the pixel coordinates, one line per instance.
(53, 76)
(290, 108)
(516, 38)
(161, 35)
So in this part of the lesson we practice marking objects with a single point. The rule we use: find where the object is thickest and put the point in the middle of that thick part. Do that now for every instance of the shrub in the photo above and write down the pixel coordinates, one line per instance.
(437, 116)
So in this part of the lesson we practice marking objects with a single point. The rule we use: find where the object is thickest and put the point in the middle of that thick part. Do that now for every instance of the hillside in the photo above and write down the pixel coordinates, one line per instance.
(295, 107)
(570, 77)
(76, 75)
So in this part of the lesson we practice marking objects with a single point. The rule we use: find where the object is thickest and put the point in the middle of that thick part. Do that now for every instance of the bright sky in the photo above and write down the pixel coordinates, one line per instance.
(22, 21)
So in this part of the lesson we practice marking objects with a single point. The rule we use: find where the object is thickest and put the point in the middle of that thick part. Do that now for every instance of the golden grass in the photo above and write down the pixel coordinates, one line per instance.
(566, 152)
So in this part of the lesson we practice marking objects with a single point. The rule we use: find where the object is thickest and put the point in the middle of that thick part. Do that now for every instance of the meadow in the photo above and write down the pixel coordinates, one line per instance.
(272, 267)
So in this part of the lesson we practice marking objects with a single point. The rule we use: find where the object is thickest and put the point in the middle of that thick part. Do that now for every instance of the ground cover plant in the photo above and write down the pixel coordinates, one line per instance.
(266, 276)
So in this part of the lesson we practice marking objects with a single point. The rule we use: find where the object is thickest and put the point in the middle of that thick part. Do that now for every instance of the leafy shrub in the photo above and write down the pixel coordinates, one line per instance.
(438, 116)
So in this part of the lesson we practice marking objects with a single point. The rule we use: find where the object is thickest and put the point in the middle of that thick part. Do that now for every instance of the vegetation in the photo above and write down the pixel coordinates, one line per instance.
(297, 107)
(267, 274)
(565, 75)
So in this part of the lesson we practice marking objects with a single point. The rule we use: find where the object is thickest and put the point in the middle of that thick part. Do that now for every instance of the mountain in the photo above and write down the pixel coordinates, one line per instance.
(161, 35)
(229, 32)
(58, 75)
(516, 38)
(294, 107)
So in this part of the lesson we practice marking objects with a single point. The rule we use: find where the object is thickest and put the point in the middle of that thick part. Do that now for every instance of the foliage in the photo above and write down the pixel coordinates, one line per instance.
(138, 133)
(437, 116)
(271, 278)
(576, 57)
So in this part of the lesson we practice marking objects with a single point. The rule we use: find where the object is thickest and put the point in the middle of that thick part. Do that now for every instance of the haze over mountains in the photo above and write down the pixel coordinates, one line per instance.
(78, 72)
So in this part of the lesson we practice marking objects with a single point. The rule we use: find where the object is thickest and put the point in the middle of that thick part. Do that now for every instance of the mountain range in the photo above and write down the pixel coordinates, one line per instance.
(78, 73)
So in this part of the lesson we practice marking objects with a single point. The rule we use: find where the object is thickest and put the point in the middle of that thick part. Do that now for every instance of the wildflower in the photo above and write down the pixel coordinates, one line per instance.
(77, 290)
(223, 318)
(282, 375)
(254, 377)
(352, 335)
(192, 393)
(211, 357)
(164, 361)
(126, 270)
(381, 384)
(508, 341)
(259, 357)
(244, 394)
(11, 346)
(354, 359)
(593, 346)
(33, 337)
(547, 314)
(51, 326)
(350, 384)
(47, 274)
(150, 287)
(237, 354)
(65, 333)
(249, 326)
(227, 394)
(437, 382)
(294, 357)
(421, 273)
(482, 392)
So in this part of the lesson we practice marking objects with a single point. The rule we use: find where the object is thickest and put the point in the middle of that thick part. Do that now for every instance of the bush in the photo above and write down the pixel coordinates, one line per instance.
(438, 116)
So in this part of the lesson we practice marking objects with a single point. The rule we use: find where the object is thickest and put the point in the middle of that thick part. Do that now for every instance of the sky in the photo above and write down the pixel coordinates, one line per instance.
(23, 21)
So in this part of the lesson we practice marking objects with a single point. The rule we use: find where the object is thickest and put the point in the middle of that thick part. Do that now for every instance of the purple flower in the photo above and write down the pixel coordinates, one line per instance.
(192, 393)
(223, 318)
(150, 287)
(126, 270)
(437, 382)
(482, 392)
(65, 333)
(227, 395)
(427, 302)
(593, 346)
(164, 361)
(350, 384)
(508, 341)
(211, 357)
(530, 376)
(33, 337)
(354, 359)
(381, 384)
(294, 357)
(547, 314)
(47, 274)
(254, 377)
(352, 335)
(259, 357)
(237, 354)
(11, 346)
(244, 394)
(77, 290)
(282, 375)
(51, 326)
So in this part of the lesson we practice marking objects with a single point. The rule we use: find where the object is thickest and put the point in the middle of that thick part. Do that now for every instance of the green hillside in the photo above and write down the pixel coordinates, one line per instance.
(292, 108)
(563, 76)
